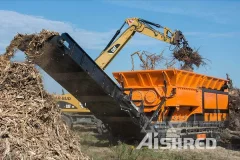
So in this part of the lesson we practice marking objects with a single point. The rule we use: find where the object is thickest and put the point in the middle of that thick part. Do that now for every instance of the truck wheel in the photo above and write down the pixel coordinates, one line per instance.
(67, 120)
(101, 128)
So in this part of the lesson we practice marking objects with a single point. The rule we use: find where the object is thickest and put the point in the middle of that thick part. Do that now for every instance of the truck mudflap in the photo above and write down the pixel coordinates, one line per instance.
(67, 63)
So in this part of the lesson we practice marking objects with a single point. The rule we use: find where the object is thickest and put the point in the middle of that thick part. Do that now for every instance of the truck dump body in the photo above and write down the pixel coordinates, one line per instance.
(72, 68)
(190, 95)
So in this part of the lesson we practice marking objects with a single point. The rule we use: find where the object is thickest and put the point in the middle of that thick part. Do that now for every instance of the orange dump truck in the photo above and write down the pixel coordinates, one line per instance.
(190, 98)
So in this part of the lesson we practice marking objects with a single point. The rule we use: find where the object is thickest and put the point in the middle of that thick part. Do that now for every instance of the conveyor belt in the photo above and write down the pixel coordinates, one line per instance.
(74, 69)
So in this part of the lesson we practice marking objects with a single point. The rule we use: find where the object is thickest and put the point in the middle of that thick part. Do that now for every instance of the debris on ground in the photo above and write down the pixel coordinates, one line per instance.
(189, 58)
(30, 121)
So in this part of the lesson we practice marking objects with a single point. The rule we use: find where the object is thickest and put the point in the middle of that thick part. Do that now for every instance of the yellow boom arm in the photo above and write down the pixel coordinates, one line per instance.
(143, 27)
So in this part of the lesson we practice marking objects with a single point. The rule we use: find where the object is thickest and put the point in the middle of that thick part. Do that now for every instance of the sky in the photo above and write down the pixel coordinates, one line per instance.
(210, 26)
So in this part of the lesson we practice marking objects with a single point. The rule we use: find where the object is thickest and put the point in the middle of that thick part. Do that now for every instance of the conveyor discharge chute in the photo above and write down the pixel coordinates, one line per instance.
(67, 63)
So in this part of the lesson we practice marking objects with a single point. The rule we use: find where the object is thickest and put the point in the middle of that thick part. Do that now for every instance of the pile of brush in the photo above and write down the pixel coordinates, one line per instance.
(30, 122)
(234, 109)
(189, 57)
(231, 135)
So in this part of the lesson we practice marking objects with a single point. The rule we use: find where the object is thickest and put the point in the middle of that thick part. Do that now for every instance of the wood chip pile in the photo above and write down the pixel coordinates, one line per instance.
(30, 122)
(30, 44)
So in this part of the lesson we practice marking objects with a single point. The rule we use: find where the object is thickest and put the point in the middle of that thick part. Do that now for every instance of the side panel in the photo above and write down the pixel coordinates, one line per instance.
(210, 101)
(215, 105)
(222, 101)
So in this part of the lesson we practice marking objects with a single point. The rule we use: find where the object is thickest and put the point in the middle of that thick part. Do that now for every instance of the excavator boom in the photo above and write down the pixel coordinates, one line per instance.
(141, 26)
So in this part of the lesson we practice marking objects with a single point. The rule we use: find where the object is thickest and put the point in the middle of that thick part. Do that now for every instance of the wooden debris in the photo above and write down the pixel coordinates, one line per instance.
(189, 57)
(30, 122)
(149, 61)
(29, 43)
(234, 109)
(231, 135)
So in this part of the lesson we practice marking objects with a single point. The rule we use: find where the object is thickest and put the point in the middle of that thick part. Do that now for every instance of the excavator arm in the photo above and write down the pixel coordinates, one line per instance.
(141, 26)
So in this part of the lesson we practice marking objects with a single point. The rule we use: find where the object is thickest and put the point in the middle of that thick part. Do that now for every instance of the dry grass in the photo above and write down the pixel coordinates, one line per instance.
(99, 148)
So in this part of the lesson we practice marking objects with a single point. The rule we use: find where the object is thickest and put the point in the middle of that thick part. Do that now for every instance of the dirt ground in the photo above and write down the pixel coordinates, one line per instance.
(99, 148)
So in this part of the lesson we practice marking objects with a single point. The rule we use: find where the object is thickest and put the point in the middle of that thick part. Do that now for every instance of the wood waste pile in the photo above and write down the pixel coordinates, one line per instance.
(30, 122)
(231, 135)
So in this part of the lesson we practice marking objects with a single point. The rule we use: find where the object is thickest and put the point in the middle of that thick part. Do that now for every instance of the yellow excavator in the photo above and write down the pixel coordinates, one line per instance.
(73, 111)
